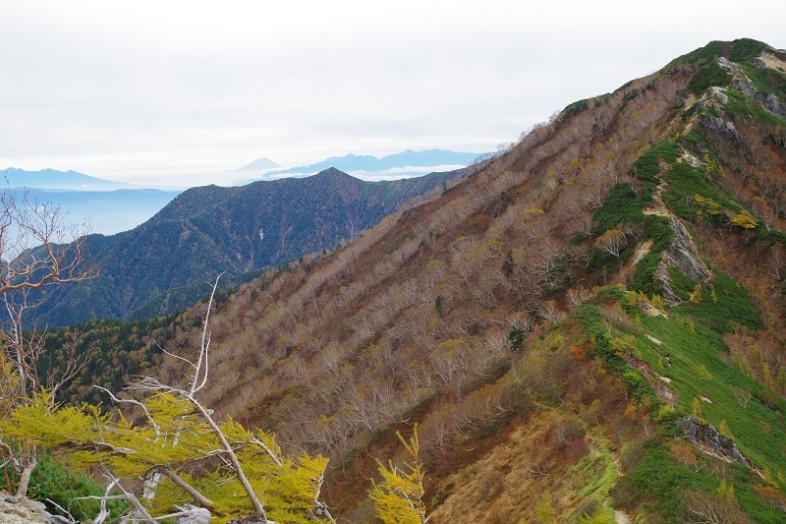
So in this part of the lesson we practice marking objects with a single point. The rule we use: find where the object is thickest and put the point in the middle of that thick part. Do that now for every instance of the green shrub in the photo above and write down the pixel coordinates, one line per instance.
(630, 95)
(734, 305)
(766, 80)
(711, 74)
(745, 49)
(515, 338)
(624, 206)
(685, 183)
(741, 108)
(702, 54)
(573, 109)
(768, 398)
(681, 284)
(52, 481)
(659, 484)
(647, 166)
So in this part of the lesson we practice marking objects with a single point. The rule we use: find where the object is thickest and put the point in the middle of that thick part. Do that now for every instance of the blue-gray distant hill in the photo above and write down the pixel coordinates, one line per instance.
(406, 163)
(105, 212)
(164, 264)
(260, 164)
(107, 207)
(54, 179)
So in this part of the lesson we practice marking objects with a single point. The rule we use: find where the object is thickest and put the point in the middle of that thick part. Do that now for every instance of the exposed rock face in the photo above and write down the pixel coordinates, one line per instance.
(15, 511)
(715, 99)
(728, 64)
(717, 93)
(744, 85)
(662, 274)
(721, 127)
(705, 435)
(683, 255)
(770, 102)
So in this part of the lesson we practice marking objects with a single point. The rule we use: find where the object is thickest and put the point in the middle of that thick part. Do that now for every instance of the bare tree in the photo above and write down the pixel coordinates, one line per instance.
(612, 241)
(709, 508)
(42, 248)
(37, 250)
(177, 437)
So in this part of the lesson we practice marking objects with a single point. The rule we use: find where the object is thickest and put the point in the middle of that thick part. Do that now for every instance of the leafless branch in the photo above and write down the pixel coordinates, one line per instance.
(133, 402)
(151, 384)
(66, 513)
(267, 450)
(199, 383)
(185, 486)
(176, 356)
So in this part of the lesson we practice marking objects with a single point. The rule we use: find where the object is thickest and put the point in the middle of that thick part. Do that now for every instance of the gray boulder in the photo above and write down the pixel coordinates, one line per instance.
(706, 435)
(193, 515)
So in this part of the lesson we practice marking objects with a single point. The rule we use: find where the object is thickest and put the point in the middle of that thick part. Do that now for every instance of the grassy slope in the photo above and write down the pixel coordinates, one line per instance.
(684, 346)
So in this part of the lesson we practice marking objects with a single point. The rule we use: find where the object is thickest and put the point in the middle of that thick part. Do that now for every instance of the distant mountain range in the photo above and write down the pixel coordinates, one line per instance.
(110, 207)
(54, 179)
(105, 206)
(260, 163)
(399, 165)
(163, 264)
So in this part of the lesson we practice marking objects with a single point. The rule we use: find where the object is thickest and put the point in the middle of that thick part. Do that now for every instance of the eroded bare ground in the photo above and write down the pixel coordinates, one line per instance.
(658, 207)
(773, 62)
(621, 518)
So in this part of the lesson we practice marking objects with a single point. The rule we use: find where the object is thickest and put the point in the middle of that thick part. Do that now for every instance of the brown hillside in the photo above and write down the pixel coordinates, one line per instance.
(414, 320)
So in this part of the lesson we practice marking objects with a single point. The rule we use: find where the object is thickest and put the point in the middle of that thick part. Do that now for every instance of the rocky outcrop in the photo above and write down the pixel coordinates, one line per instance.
(741, 83)
(709, 438)
(683, 255)
(714, 101)
(722, 127)
(717, 93)
(728, 65)
(20, 511)
(193, 515)
(772, 104)
(662, 274)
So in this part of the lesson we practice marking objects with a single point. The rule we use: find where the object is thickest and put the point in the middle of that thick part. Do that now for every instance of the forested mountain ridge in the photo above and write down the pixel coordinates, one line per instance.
(588, 329)
(164, 264)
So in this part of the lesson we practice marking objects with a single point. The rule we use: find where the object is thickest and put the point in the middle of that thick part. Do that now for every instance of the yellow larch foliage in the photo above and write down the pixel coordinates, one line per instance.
(176, 437)
(398, 498)
(744, 221)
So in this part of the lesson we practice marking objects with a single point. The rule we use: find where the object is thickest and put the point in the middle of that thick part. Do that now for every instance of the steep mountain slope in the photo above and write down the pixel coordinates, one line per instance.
(591, 324)
(589, 329)
(164, 264)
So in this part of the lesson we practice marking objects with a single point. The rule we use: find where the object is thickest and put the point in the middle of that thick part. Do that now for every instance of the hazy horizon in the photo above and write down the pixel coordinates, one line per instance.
(181, 93)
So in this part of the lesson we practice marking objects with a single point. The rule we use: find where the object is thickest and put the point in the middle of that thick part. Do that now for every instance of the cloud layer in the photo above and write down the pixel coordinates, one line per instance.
(179, 91)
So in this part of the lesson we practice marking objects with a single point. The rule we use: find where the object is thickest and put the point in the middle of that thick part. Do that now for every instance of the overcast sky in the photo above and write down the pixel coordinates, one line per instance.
(179, 92)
